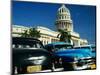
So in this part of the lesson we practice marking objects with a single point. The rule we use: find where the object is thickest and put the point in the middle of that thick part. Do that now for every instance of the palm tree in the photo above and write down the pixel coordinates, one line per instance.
(25, 34)
(64, 36)
(31, 33)
(34, 33)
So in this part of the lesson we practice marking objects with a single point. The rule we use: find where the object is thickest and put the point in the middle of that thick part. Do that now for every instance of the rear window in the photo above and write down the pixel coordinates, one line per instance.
(26, 44)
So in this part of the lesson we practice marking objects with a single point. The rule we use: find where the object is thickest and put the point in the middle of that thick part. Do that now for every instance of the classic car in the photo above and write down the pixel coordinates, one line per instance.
(29, 56)
(75, 59)
(55, 46)
(70, 58)
(92, 48)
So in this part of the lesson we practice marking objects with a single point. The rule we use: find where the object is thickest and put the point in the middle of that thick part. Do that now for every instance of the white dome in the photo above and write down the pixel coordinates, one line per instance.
(63, 10)
(63, 13)
(63, 20)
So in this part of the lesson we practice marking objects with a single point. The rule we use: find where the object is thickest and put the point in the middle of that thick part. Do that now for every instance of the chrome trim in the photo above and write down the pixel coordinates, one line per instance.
(81, 68)
(86, 58)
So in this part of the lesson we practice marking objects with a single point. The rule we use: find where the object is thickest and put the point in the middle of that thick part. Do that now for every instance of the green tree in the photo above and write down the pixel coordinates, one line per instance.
(31, 33)
(64, 36)
(25, 34)
(34, 33)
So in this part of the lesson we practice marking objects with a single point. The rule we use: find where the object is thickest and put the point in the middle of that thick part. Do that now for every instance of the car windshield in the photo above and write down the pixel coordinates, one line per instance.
(82, 47)
(92, 48)
(27, 44)
(63, 47)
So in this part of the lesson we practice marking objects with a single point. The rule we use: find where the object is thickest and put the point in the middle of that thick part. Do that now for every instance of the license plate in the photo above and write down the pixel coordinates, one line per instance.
(31, 69)
(93, 66)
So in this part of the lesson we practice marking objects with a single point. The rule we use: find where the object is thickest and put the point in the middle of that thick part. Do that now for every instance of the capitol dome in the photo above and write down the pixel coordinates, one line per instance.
(63, 19)
(63, 13)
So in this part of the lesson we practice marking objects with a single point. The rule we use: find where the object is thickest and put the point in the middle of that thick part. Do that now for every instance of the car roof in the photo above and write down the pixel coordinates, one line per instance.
(86, 46)
(24, 38)
(59, 43)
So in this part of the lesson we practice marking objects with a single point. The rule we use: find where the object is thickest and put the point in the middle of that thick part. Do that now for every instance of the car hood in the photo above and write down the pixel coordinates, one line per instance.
(79, 53)
(28, 50)
(25, 53)
(29, 56)
(78, 56)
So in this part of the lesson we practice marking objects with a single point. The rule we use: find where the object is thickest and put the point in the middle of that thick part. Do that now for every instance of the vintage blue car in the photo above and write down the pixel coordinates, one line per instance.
(92, 48)
(75, 59)
(56, 46)
(70, 58)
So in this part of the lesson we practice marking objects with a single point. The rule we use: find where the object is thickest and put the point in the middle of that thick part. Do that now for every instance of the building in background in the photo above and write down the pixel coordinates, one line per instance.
(47, 35)
(63, 22)
(17, 30)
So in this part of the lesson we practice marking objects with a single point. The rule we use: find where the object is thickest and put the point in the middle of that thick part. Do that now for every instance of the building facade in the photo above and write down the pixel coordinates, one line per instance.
(17, 30)
(47, 35)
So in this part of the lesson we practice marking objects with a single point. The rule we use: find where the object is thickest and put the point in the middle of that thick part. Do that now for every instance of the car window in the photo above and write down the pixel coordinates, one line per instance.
(82, 48)
(63, 47)
(49, 48)
(27, 45)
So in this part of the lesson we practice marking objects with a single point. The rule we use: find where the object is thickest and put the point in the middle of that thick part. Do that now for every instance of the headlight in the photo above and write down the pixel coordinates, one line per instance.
(37, 60)
(75, 59)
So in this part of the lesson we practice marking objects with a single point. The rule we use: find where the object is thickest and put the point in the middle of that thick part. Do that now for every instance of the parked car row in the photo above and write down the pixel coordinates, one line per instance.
(30, 56)
(71, 58)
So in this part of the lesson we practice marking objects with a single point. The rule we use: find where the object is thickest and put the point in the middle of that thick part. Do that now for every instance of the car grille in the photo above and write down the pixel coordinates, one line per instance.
(85, 61)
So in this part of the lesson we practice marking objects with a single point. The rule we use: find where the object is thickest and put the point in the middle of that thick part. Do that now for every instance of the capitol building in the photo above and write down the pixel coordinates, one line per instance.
(63, 22)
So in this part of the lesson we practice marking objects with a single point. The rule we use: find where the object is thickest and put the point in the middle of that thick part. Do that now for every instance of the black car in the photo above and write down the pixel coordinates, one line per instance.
(29, 56)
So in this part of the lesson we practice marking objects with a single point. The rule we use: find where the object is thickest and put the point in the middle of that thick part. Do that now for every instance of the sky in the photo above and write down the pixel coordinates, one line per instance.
(44, 14)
